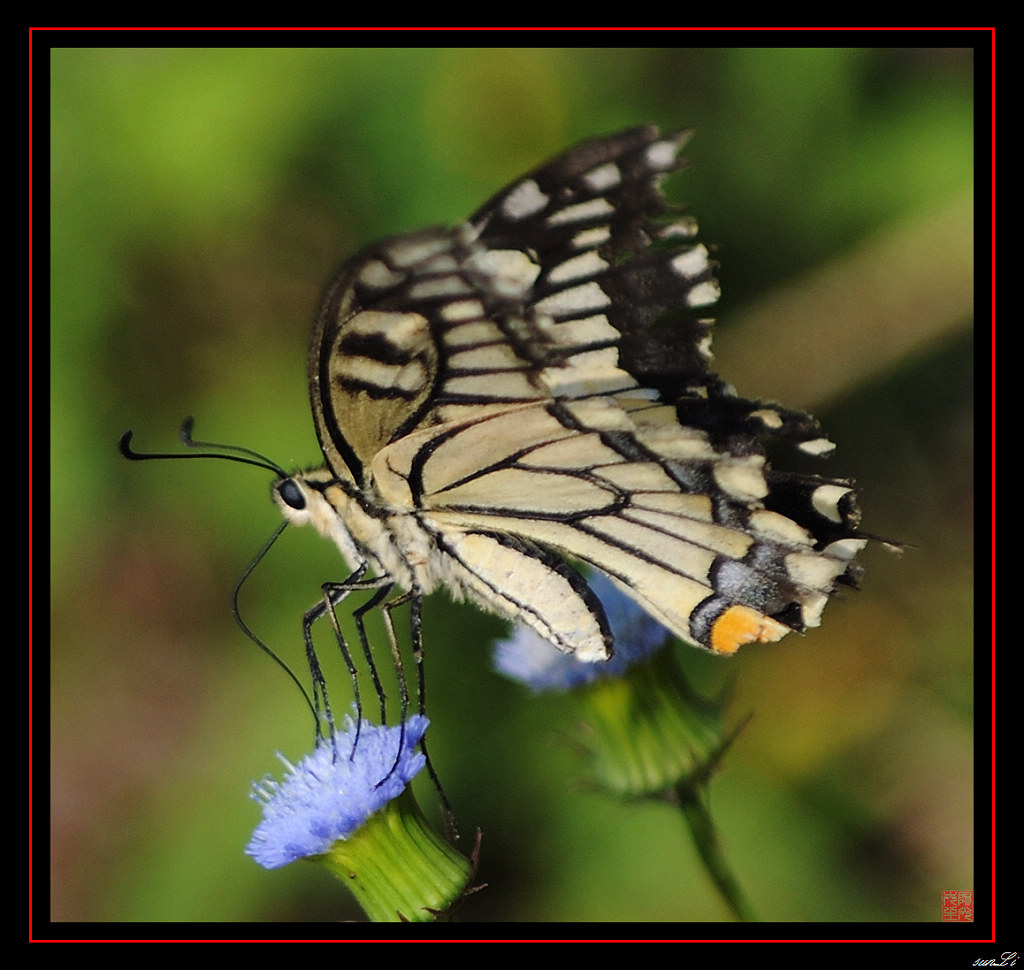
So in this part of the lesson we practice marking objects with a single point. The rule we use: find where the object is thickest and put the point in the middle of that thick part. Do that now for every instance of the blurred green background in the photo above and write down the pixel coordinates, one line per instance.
(202, 197)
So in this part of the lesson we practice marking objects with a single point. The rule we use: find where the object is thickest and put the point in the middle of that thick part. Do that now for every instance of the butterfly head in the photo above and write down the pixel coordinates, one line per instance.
(329, 504)
(310, 498)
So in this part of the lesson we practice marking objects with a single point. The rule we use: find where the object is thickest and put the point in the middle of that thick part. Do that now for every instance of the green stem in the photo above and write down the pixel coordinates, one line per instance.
(706, 840)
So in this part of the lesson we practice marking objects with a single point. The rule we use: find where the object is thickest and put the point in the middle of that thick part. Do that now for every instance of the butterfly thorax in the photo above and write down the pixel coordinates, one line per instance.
(381, 526)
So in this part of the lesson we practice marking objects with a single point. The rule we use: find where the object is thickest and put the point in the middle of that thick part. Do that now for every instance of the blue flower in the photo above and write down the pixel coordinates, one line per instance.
(334, 790)
(529, 658)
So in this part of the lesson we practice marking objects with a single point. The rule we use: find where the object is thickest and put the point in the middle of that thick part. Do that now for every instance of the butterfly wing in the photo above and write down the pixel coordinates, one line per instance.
(650, 504)
(536, 380)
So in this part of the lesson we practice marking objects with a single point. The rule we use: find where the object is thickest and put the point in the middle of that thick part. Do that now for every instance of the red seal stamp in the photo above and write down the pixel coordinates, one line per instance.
(957, 906)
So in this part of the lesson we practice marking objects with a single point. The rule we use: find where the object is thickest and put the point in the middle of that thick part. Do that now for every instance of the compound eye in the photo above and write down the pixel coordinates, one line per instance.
(291, 495)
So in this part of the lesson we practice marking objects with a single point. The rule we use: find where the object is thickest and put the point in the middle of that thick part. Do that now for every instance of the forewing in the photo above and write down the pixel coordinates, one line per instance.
(616, 267)
(558, 288)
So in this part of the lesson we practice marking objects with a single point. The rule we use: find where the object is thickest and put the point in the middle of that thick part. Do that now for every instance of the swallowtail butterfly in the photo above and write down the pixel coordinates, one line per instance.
(532, 388)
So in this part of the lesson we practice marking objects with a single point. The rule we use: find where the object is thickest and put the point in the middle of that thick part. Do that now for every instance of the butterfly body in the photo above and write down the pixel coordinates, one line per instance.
(531, 385)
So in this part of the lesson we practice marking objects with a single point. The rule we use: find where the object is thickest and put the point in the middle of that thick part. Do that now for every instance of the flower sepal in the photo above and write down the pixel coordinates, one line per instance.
(647, 731)
(398, 868)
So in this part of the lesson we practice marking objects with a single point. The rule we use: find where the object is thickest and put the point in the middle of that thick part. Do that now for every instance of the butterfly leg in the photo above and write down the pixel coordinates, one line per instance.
(322, 705)
(358, 615)
(415, 600)
(396, 656)
(333, 594)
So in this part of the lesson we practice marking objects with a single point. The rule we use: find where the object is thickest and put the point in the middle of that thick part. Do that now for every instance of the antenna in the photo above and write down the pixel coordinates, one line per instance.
(228, 452)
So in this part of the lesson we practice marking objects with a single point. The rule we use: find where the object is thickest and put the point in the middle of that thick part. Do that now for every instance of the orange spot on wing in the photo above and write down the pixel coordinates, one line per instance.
(739, 625)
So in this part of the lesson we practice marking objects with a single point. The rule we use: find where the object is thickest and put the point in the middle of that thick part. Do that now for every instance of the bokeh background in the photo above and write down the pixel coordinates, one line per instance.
(200, 200)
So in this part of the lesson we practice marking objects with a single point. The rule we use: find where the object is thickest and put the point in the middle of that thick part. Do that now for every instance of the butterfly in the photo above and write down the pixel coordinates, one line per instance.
(530, 390)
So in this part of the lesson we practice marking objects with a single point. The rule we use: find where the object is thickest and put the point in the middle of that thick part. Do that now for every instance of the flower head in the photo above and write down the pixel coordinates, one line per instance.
(529, 658)
(334, 790)
(349, 807)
